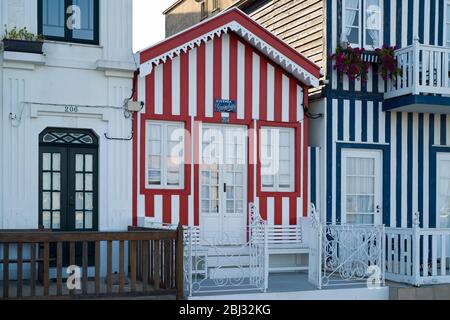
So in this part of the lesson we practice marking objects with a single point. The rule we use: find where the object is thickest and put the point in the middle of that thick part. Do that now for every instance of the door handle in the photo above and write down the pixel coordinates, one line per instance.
(225, 188)
(378, 209)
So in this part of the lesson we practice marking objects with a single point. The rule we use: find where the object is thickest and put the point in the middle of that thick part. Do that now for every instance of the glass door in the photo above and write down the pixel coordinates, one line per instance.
(222, 185)
(361, 187)
(443, 188)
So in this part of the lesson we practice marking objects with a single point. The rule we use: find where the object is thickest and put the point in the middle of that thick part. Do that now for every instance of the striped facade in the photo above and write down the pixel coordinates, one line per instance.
(354, 119)
(184, 89)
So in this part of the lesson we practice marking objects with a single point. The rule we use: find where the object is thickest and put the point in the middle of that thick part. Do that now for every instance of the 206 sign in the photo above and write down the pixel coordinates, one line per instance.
(71, 109)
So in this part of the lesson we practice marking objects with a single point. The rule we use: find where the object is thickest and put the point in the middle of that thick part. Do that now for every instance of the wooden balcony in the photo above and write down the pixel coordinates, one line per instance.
(425, 80)
(134, 264)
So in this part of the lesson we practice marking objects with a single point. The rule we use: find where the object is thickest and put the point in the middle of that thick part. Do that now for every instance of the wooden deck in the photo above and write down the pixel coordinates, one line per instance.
(134, 264)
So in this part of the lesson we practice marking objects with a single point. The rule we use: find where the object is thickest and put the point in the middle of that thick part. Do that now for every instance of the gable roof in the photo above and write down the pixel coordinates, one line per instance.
(236, 21)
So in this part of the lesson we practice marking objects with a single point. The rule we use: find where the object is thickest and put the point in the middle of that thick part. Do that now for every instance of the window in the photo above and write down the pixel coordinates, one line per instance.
(277, 159)
(203, 10)
(362, 26)
(165, 155)
(215, 5)
(447, 24)
(69, 20)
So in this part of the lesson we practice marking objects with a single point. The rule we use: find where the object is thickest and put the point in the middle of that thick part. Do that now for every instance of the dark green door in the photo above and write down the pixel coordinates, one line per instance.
(68, 185)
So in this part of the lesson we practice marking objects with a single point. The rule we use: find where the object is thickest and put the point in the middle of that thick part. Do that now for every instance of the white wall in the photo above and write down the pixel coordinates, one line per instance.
(35, 88)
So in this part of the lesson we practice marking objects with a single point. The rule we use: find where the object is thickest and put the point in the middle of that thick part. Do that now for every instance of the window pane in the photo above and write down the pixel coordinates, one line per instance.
(46, 220)
(46, 202)
(89, 182)
(53, 20)
(79, 166)
(56, 162)
(46, 178)
(88, 220)
(79, 182)
(56, 181)
(46, 161)
(79, 201)
(84, 19)
(89, 201)
(56, 221)
(79, 220)
(89, 166)
(56, 201)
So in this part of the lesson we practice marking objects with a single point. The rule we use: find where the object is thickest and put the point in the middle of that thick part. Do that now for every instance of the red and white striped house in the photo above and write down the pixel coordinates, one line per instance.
(225, 77)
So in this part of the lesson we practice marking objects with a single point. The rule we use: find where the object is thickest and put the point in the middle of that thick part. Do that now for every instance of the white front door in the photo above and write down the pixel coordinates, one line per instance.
(223, 188)
(443, 190)
(361, 187)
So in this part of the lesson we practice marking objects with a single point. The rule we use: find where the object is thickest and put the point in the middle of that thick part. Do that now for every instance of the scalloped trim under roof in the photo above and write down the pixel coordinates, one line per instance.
(263, 45)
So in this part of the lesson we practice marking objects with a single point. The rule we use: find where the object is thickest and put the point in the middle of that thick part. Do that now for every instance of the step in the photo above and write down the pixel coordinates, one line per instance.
(228, 273)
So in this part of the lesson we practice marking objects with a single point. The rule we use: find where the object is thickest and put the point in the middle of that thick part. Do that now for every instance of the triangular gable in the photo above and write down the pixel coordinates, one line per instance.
(236, 21)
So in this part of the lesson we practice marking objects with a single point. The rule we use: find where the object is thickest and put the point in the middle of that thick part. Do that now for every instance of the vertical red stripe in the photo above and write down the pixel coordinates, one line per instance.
(263, 207)
(167, 88)
(293, 108)
(233, 72)
(263, 90)
(201, 72)
(167, 209)
(248, 82)
(184, 84)
(278, 109)
(150, 94)
(217, 76)
(293, 211)
(278, 211)
(184, 210)
(150, 206)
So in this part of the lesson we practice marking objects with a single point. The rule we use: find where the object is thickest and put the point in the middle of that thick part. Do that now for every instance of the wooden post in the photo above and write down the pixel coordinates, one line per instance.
(179, 261)
(19, 270)
(5, 270)
(416, 249)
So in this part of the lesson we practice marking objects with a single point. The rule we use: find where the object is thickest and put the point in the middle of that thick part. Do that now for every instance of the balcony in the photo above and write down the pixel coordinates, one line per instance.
(425, 83)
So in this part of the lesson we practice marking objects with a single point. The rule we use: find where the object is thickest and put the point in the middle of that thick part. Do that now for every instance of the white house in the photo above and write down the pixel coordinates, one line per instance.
(65, 149)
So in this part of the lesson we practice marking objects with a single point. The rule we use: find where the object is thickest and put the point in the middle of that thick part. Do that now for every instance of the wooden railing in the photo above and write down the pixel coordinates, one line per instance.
(425, 70)
(126, 264)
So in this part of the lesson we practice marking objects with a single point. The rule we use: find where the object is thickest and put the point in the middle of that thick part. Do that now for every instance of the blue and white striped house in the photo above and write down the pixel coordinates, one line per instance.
(385, 146)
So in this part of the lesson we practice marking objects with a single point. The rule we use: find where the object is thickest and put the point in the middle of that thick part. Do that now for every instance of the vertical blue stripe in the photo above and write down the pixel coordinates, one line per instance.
(387, 22)
(340, 120)
(432, 192)
(443, 130)
(375, 82)
(420, 168)
(329, 163)
(376, 119)
(410, 171)
(364, 121)
(432, 21)
(352, 120)
(399, 23)
(421, 20)
(441, 23)
(399, 169)
(410, 21)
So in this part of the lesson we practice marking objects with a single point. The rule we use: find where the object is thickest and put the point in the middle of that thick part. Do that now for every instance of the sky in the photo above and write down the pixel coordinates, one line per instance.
(148, 22)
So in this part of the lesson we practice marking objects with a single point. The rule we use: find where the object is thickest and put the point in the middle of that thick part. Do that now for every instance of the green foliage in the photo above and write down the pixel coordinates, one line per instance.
(22, 34)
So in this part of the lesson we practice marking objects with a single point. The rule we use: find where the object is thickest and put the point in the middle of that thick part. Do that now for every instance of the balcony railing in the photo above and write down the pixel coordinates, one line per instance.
(425, 70)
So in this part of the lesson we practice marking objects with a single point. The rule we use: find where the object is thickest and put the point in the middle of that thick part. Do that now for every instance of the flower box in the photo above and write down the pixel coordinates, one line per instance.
(23, 46)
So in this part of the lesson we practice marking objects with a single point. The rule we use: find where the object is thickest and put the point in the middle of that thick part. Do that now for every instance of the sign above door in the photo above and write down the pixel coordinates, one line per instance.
(225, 106)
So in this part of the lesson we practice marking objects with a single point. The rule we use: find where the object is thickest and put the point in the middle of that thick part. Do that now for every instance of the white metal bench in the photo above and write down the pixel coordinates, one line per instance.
(286, 240)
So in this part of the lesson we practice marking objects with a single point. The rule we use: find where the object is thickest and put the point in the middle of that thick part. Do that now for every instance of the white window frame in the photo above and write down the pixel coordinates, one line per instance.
(164, 149)
(440, 156)
(362, 25)
(446, 23)
(344, 12)
(378, 201)
(276, 187)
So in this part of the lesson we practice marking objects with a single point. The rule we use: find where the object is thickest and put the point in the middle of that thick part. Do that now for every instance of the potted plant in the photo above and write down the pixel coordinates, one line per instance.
(20, 40)
(388, 65)
(349, 61)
